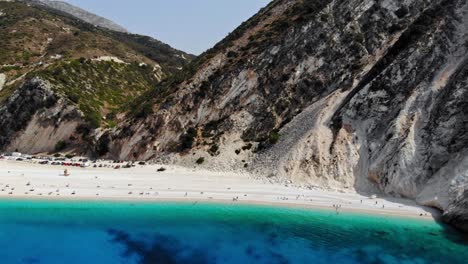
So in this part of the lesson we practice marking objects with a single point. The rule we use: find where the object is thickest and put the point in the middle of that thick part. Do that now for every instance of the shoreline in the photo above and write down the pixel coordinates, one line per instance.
(27, 181)
(310, 207)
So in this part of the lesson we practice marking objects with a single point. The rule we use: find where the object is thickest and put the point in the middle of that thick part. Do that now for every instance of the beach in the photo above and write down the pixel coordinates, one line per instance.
(26, 180)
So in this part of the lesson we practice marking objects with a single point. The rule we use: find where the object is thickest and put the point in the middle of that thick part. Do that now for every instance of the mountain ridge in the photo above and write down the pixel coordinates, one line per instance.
(90, 71)
(335, 94)
(84, 15)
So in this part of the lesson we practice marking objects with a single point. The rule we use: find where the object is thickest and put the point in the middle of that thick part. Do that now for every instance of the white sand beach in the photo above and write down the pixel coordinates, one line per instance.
(23, 180)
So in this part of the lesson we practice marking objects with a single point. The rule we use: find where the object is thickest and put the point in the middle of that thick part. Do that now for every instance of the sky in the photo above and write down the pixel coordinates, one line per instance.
(189, 25)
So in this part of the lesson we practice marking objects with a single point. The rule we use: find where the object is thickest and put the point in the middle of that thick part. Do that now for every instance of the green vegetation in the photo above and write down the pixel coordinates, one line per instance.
(232, 54)
(294, 17)
(26, 27)
(161, 94)
(9, 68)
(305, 11)
(214, 149)
(6, 92)
(16, 45)
(61, 145)
(32, 35)
(144, 111)
(98, 87)
(187, 139)
(200, 161)
(247, 146)
(170, 59)
(210, 129)
(274, 137)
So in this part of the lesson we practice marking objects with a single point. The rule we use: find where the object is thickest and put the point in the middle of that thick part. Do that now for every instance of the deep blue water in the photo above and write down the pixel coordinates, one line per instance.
(123, 232)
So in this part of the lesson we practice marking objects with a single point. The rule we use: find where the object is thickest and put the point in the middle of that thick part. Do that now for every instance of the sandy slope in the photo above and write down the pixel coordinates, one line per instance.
(33, 181)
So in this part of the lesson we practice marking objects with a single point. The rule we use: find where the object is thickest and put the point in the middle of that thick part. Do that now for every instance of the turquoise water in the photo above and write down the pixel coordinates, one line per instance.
(124, 232)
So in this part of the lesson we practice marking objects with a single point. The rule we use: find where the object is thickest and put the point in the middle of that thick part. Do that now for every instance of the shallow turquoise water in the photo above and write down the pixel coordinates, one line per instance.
(124, 232)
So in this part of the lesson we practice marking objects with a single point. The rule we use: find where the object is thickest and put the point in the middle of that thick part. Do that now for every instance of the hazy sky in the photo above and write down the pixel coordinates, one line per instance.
(190, 25)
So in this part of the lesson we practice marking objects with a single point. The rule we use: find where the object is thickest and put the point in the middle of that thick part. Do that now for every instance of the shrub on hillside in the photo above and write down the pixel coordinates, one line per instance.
(61, 145)
(187, 139)
(200, 161)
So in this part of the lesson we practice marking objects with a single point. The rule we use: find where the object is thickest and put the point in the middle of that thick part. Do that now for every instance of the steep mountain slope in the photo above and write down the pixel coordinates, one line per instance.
(370, 95)
(84, 15)
(65, 63)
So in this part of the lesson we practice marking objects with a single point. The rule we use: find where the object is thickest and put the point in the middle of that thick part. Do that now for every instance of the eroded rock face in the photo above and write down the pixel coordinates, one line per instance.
(366, 95)
(457, 212)
(411, 120)
(34, 119)
(21, 106)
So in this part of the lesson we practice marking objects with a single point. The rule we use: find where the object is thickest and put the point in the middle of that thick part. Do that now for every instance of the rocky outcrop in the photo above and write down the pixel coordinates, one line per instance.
(21, 106)
(457, 212)
(367, 95)
(34, 119)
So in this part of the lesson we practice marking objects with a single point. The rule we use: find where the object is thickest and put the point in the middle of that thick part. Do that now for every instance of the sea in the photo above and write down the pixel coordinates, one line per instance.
(192, 232)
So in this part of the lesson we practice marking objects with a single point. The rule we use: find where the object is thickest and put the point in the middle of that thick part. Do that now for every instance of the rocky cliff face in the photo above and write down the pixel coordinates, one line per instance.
(367, 95)
(35, 118)
(456, 213)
